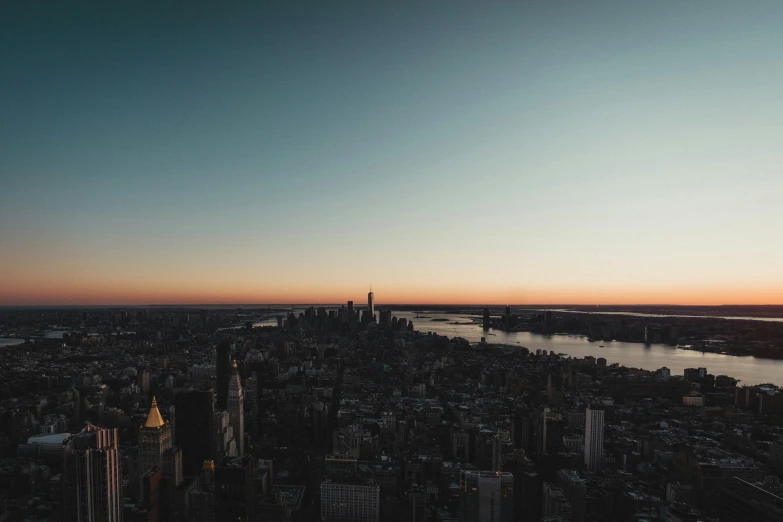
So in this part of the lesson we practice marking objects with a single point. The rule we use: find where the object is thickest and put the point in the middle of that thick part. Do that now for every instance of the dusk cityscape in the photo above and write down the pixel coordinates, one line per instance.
(439, 261)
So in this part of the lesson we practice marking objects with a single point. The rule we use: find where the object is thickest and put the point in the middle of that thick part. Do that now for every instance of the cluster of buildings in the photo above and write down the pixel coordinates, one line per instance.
(349, 414)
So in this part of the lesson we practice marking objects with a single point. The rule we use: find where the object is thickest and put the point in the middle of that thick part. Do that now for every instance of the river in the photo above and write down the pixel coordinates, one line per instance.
(10, 341)
(748, 370)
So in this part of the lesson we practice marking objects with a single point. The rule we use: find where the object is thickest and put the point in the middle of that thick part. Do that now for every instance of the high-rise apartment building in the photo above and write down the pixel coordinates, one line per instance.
(236, 410)
(92, 485)
(350, 499)
(486, 496)
(594, 438)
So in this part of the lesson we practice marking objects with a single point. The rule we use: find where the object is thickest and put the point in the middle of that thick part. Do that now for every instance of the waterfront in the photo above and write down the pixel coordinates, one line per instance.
(749, 370)
(663, 316)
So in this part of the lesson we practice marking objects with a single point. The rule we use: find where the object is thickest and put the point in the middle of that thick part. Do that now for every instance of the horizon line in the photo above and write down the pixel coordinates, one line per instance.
(360, 304)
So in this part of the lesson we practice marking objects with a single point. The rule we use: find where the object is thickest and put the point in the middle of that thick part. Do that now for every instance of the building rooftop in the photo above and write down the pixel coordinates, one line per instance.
(154, 420)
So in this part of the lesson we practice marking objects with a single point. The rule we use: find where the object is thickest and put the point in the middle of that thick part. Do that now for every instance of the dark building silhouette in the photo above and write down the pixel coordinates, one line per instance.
(223, 367)
(234, 489)
(194, 415)
(487, 319)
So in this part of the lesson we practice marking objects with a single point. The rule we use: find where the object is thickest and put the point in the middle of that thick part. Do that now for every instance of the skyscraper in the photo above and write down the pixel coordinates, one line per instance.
(371, 306)
(253, 385)
(554, 503)
(156, 447)
(223, 367)
(575, 490)
(93, 482)
(594, 438)
(236, 410)
(486, 496)
(350, 499)
(487, 321)
(195, 411)
(234, 489)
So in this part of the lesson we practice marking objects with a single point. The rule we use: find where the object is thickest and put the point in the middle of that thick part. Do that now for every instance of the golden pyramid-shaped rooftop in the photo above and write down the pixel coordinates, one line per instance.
(154, 420)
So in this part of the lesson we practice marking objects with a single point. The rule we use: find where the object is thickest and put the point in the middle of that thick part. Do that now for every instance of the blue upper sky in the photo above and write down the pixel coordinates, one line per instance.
(502, 151)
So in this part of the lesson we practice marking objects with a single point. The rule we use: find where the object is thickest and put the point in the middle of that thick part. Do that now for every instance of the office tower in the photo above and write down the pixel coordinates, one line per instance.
(156, 447)
(547, 324)
(527, 496)
(487, 320)
(144, 382)
(351, 312)
(236, 410)
(234, 489)
(502, 448)
(348, 500)
(594, 438)
(371, 307)
(483, 442)
(575, 490)
(460, 445)
(201, 495)
(554, 503)
(195, 411)
(154, 439)
(253, 386)
(149, 507)
(204, 319)
(92, 479)
(223, 367)
(522, 428)
(223, 443)
(549, 430)
(320, 417)
(486, 496)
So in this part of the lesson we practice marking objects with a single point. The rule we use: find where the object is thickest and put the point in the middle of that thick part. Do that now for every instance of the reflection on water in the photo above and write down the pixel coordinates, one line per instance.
(642, 314)
(749, 370)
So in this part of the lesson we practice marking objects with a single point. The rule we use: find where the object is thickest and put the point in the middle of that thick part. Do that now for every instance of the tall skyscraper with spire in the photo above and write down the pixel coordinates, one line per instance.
(371, 305)
(154, 439)
(236, 410)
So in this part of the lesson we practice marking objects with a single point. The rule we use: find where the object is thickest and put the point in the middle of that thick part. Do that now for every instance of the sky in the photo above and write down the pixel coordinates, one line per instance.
(507, 152)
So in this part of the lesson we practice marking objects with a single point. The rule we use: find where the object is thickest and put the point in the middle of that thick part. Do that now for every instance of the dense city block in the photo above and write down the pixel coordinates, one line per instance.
(350, 413)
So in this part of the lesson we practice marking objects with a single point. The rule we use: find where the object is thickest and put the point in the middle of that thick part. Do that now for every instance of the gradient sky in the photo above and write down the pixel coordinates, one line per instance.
(442, 151)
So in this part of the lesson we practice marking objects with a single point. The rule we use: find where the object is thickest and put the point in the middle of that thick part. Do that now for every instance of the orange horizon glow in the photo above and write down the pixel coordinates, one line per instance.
(205, 294)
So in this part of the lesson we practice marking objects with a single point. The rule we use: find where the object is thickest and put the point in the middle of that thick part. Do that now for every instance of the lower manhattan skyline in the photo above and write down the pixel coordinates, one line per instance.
(526, 153)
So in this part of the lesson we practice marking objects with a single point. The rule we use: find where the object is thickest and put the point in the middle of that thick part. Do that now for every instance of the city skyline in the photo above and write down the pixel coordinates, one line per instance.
(449, 152)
